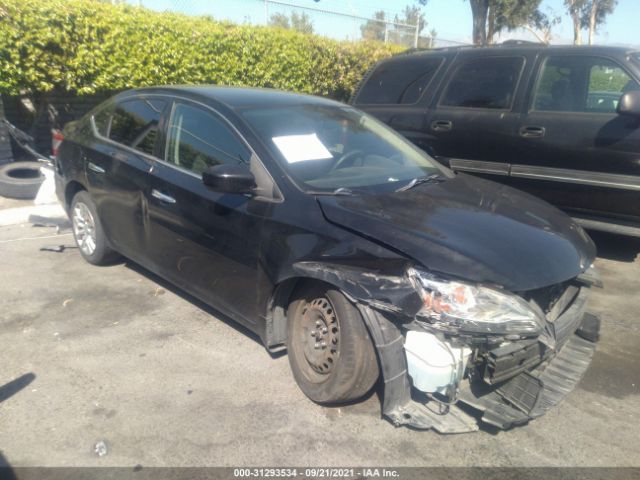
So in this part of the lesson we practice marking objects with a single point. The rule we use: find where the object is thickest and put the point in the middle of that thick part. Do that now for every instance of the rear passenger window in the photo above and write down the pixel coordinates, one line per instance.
(401, 80)
(484, 83)
(572, 83)
(133, 123)
(197, 139)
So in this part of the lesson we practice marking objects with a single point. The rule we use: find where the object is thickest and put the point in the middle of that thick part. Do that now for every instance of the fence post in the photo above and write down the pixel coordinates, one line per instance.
(386, 32)
(266, 12)
(416, 36)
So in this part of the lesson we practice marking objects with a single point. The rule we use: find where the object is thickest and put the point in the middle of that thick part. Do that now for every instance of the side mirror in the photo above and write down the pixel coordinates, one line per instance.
(229, 178)
(629, 104)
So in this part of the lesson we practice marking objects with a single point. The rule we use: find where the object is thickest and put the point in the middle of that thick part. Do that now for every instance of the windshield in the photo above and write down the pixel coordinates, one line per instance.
(636, 57)
(332, 149)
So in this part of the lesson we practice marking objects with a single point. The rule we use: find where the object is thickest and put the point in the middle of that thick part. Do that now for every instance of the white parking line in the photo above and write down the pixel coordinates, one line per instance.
(36, 238)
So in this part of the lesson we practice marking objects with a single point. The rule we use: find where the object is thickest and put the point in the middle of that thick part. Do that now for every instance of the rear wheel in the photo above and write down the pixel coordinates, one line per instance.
(88, 232)
(330, 352)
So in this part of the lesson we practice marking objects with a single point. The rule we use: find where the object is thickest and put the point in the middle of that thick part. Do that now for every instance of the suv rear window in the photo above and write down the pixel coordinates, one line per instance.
(488, 82)
(399, 80)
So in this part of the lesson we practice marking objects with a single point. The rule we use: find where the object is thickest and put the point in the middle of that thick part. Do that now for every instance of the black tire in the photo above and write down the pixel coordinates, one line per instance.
(347, 368)
(102, 254)
(20, 180)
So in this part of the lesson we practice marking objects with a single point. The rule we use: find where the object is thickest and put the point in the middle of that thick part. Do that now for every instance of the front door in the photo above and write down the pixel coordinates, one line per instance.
(204, 241)
(574, 150)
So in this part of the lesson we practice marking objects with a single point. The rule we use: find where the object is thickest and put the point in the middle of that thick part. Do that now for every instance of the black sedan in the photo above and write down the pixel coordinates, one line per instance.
(332, 237)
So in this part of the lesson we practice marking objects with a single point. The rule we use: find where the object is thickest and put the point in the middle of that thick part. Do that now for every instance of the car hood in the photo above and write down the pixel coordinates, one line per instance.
(471, 229)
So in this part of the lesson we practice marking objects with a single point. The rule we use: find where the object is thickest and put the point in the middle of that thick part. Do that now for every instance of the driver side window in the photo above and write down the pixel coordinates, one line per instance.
(197, 140)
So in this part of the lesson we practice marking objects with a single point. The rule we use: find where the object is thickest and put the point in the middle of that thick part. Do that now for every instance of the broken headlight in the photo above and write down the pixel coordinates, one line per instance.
(461, 308)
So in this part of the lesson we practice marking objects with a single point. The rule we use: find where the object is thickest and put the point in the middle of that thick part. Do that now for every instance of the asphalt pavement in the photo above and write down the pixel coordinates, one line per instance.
(115, 358)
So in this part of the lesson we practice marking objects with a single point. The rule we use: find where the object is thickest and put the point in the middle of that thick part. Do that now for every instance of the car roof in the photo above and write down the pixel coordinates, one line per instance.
(521, 48)
(236, 97)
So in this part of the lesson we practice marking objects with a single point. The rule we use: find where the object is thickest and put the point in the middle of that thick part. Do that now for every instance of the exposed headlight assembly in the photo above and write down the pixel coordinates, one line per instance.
(460, 308)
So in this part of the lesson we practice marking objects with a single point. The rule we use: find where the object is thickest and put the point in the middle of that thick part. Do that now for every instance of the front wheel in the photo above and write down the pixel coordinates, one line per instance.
(330, 352)
(88, 232)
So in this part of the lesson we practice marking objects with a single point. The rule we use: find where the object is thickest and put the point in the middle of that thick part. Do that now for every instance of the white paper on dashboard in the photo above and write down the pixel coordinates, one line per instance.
(300, 148)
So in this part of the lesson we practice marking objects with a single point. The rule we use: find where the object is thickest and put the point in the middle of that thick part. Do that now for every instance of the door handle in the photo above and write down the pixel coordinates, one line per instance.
(162, 197)
(531, 131)
(442, 125)
(95, 168)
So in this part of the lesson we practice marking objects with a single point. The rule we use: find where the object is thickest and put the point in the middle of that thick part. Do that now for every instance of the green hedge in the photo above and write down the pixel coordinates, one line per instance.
(87, 46)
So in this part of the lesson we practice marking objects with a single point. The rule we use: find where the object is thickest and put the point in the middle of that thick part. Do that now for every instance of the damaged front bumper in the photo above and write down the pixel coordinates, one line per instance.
(508, 385)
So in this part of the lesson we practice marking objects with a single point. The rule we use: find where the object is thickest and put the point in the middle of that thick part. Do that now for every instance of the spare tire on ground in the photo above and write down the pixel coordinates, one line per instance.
(20, 180)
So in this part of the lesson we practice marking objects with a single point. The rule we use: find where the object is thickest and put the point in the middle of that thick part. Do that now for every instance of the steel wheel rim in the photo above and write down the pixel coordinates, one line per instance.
(84, 228)
(320, 336)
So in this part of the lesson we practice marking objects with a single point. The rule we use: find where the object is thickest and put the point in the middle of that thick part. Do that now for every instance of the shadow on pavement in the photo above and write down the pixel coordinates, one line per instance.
(6, 472)
(14, 386)
(198, 303)
(616, 247)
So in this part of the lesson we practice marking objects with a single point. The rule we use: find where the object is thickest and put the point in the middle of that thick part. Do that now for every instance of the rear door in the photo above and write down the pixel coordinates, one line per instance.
(574, 150)
(204, 241)
(398, 91)
(117, 166)
(473, 119)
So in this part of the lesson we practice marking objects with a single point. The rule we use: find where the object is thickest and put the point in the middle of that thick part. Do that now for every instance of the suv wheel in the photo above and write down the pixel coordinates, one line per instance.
(88, 232)
(330, 352)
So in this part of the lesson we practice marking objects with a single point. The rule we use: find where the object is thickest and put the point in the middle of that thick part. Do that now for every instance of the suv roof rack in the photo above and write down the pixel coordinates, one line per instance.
(523, 43)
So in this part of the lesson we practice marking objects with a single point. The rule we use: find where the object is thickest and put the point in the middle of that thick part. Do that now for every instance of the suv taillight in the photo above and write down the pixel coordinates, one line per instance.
(56, 139)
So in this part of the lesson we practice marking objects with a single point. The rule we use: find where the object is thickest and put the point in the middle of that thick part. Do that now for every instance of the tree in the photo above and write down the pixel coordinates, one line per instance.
(375, 28)
(596, 14)
(279, 20)
(412, 15)
(588, 14)
(575, 8)
(490, 17)
(300, 22)
(479, 12)
(512, 14)
(542, 24)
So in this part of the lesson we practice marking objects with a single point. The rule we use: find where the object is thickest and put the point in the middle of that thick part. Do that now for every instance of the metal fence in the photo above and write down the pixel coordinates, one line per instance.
(331, 18)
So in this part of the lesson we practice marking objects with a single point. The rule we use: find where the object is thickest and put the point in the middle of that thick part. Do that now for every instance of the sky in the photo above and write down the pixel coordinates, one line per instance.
(450, 18)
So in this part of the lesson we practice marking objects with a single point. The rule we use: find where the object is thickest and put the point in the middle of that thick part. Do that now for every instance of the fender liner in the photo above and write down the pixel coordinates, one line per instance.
(397, 404)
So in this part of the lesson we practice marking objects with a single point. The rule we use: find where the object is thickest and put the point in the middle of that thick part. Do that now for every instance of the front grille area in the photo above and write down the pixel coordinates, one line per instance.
(570, 319)
(546, 297)
(564, 307)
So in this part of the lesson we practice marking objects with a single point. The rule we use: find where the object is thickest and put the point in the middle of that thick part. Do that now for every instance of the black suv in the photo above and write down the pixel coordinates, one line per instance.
(562, 123)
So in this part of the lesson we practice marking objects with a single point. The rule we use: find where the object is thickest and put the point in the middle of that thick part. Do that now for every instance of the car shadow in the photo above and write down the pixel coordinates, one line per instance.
(8, 390)
(6, 471)
(616, 247)
(197, 302)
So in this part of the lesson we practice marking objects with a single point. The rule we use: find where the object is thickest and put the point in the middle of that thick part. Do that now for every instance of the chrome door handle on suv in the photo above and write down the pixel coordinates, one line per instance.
(531, 131)
(162, 197)
(442, 125)
(95, 168)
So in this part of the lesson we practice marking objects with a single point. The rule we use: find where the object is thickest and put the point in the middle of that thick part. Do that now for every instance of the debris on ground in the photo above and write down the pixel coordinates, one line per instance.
(100, 448)
(56, 248)
(67, 302)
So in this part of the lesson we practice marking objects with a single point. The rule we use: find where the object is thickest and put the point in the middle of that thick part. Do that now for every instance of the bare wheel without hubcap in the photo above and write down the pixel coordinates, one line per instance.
(331, 354)
(319, 335)
(84, 228)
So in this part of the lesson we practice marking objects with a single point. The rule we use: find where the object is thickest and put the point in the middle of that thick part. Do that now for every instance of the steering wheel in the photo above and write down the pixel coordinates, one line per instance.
(347, 156)
(398, 158)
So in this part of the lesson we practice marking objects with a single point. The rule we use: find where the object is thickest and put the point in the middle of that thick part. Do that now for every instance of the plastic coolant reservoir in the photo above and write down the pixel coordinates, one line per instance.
(432, 364)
